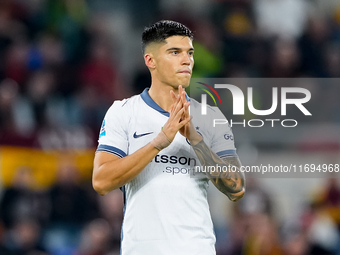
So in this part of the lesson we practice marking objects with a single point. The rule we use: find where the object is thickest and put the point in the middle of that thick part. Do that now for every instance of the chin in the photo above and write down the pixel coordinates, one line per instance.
(184, 83)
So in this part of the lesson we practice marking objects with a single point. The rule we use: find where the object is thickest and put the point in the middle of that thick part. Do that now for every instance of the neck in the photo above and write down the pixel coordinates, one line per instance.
(161, 95)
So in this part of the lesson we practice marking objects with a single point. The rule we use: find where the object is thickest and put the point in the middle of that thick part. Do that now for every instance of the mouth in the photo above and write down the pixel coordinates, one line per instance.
(187, 72)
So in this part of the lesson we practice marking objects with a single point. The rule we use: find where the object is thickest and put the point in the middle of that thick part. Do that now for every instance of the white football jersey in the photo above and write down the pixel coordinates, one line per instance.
(165, 210)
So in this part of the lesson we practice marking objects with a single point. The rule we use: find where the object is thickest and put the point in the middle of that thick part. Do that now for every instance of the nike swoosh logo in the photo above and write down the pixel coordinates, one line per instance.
(140, 135)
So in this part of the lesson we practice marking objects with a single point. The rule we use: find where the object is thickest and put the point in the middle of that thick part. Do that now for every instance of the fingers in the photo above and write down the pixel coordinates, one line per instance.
(186, 121)
(180, 90)
(180, 107)
(179, 115)
(173, 96)
(186, 106)
(176, 106)
(172, 107)
(181, 94)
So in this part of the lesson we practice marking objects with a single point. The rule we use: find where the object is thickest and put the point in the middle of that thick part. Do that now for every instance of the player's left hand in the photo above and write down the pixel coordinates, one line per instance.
(187, 129)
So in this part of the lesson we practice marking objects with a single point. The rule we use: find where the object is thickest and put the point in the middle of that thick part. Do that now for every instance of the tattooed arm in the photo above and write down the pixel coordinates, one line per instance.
(232, 184)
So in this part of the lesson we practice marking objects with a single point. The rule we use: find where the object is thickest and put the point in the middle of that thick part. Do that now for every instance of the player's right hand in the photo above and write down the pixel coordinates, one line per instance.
(188, 130)
(178, 119)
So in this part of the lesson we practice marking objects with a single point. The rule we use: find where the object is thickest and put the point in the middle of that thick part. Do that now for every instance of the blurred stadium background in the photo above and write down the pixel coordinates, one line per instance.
(63, 62)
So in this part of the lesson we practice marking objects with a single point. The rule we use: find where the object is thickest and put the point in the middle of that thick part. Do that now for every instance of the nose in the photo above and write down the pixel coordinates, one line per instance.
(186, 59)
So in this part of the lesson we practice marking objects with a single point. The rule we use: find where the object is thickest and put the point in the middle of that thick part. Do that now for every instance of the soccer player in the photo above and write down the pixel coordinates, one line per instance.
(144, 149)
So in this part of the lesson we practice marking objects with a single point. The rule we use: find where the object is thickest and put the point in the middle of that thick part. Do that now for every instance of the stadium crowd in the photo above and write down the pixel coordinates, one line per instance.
(63, 62)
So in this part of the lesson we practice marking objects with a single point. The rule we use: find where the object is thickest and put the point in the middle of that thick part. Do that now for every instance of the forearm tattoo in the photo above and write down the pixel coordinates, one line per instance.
(230, 183)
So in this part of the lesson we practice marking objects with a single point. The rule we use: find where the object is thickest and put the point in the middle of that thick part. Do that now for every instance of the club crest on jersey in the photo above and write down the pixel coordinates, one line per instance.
(102, 130)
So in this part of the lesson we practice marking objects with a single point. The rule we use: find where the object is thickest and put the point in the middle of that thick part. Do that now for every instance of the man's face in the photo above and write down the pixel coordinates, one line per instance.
(174, 61)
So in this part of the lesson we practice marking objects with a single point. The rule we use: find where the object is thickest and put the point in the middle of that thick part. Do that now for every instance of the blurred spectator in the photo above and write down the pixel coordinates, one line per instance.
(200, 8)
(100, 86)
(74, 137)
(284, 60)
(257, 201)
(294, 237)
(331, 59)
(253, 208)
(331, 193)
(143, 12)
(237, 30)
(70, 202)
(326, 8)
(262, 237)
(71, 208)
(312, 44)
(21, 201)
(141, 80)
(3, 249)
(323, 235)
(67, 18)
(24, 238)
(17, 125)
(16, 63)
(96, 239)
(111, 207)
(40, 89)
(49, 53)
(234, 244)
(100, 72)
(317, 224)
(12, 13)
(208, 56)
(329, 199)
(88, 110)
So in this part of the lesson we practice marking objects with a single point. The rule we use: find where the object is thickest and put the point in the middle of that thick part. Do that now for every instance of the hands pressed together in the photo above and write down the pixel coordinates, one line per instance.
(179, 121)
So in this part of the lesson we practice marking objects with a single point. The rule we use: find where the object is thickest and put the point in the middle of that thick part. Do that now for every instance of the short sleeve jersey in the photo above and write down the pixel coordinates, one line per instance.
(165, 209)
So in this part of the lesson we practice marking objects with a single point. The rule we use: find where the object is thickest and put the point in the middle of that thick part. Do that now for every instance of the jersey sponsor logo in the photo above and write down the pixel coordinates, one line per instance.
(102, 130)
(229, 137)
(175, 160)
(179, 170)
(140, 135)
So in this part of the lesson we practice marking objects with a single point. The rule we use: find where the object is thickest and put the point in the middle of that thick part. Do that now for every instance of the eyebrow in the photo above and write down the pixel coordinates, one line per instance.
(180, 49)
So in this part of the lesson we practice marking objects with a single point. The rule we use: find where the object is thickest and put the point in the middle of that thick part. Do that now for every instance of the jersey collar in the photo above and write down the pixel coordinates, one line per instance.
(149, 101)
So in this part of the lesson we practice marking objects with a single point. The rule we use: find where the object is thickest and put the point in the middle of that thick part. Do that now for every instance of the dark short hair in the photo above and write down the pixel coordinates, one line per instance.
(163, 29)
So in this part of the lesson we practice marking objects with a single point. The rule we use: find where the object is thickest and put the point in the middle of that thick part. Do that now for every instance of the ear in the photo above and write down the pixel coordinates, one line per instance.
(149, 60)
